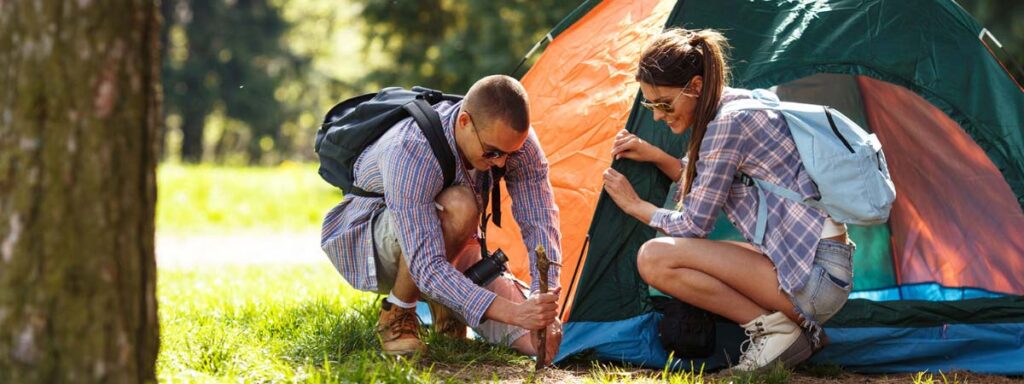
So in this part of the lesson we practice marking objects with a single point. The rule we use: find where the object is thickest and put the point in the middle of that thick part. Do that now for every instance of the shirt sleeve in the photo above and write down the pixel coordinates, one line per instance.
(533, 207)
(412, 179)
(721, 152)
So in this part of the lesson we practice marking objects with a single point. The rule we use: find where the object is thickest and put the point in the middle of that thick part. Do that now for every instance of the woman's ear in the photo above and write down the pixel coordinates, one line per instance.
(697, 85)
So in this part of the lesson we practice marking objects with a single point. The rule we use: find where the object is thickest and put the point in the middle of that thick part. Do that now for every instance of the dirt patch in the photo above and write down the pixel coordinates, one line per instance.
(579, 374)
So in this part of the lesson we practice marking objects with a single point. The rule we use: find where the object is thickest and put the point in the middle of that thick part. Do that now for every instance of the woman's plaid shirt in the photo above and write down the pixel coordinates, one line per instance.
(759, 144)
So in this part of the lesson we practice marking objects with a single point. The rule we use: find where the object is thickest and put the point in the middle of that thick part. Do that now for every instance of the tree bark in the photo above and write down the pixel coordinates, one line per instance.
(79, 111)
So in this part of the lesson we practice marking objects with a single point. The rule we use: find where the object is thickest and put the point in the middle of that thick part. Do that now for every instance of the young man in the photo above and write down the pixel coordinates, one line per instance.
(420, 236)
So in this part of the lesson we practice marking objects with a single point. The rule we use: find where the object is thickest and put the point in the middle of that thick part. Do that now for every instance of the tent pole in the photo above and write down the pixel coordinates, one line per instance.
(572, 283)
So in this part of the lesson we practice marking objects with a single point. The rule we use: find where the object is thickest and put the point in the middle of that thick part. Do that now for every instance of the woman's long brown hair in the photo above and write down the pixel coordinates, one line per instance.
(673, 59)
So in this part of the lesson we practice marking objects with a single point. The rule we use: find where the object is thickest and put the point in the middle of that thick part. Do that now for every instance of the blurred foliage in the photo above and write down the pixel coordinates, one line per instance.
(203, 198)
(227, 57)
(447, 44)
(247, 81)
(1005, 20)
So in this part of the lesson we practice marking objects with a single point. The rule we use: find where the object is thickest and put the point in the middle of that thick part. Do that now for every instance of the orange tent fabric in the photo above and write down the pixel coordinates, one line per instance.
(942, 232)
(581, 91)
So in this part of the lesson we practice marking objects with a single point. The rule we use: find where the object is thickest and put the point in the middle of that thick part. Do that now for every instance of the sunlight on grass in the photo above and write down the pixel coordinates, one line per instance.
(259, 324)
(928, 378)
(206, 198)
(292, 324)
(607, 373)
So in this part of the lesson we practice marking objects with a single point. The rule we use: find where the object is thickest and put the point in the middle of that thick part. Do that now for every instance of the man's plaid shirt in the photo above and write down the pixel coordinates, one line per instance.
(402, 166)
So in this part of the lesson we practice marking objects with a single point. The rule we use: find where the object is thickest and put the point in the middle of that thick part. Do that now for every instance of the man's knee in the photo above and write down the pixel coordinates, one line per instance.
(459, 212)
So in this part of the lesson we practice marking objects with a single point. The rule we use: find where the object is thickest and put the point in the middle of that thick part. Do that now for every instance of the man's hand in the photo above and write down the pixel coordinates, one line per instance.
(553, 342)
(537, 312)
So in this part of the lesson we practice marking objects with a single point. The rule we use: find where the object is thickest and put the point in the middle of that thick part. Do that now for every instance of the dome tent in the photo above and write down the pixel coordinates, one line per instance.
(938, 287)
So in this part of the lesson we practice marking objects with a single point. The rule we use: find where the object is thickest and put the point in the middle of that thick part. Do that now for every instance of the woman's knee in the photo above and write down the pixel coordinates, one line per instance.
(660, 255)
(650, 260)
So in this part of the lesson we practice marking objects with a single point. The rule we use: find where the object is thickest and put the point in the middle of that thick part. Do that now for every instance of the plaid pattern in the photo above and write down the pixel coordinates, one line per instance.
(402, 166)
(759, 144)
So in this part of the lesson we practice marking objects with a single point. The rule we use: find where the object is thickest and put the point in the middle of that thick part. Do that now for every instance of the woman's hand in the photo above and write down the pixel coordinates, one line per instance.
(623, 194)
(629, 146)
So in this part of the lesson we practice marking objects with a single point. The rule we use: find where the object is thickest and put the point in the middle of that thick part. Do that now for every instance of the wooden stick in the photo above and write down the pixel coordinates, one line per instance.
(543, 264)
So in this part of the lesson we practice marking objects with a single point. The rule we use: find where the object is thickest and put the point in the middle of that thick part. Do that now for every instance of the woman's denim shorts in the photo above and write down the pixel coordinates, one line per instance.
(829, 286)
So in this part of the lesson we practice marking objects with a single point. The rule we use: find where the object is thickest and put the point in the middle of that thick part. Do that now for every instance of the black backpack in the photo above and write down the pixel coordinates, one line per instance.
(354, 124)
(685, 330)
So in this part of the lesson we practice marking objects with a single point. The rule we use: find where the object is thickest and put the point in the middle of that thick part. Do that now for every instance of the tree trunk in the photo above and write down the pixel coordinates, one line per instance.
(192, 123)
(79, 111)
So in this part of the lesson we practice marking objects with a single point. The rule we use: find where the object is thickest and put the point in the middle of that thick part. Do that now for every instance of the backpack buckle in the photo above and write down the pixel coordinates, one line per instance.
(744, 179)
(430, 95)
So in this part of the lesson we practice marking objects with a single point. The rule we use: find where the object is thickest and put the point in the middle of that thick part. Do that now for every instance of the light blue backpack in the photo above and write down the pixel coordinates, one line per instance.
(844, 161)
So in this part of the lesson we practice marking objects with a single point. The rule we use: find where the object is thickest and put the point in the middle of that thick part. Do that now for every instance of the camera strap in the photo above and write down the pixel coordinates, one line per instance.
(491, 193)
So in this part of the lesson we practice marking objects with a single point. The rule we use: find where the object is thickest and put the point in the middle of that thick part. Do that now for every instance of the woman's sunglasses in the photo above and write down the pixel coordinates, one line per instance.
(663, 107)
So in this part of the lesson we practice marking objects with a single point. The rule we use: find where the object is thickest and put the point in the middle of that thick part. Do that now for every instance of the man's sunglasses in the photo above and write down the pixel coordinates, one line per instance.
(489, 154)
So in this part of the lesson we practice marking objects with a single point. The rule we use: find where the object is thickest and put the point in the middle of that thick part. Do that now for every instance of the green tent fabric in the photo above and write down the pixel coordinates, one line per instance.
(826, 52)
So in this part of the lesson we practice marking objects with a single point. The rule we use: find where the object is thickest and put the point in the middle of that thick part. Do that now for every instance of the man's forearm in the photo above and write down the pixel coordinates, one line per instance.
(502, 310)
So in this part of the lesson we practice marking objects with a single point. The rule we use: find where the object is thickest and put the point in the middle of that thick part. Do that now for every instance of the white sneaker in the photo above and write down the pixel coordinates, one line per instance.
(773, 338)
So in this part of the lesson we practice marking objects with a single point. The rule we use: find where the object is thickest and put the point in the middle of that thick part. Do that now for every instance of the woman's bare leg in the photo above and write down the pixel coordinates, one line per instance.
(730, 279)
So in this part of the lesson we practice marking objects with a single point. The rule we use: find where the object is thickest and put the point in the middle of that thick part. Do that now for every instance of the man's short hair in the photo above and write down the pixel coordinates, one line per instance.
(499, 98)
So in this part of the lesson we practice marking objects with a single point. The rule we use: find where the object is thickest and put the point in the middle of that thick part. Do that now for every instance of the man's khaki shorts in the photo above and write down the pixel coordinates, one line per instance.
(388, 251)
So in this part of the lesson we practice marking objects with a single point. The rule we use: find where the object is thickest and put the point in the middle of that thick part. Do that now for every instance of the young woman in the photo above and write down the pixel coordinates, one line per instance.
(801, 273)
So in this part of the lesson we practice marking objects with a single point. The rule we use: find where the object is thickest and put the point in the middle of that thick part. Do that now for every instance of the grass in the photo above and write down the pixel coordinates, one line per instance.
(302, 324)
(196, 199)
(290, 324)
(927, 378)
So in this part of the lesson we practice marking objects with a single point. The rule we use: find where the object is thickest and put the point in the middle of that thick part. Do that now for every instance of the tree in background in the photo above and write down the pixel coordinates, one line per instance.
(227, 57)
(450, 44)
(1005, 19)
(249, 80)
(79, 111)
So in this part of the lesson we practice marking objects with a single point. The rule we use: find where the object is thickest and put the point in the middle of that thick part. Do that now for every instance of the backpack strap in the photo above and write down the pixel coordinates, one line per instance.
(762, 208)
(356, 191)
(430, 124)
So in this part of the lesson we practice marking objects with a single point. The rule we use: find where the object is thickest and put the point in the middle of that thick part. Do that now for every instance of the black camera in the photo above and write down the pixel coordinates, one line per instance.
(488, 268)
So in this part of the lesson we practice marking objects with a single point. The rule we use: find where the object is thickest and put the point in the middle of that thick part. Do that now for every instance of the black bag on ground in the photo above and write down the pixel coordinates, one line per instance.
(684, 329)
(354, 124)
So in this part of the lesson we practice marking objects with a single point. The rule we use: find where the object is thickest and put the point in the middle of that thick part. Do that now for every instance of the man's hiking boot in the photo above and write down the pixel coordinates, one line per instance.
(445, 321)
(399, 330)
(773, 339)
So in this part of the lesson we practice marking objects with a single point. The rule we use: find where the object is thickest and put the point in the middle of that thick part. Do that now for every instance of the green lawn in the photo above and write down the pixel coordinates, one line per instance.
(302, 324)
(193, 199)
(289, 324)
